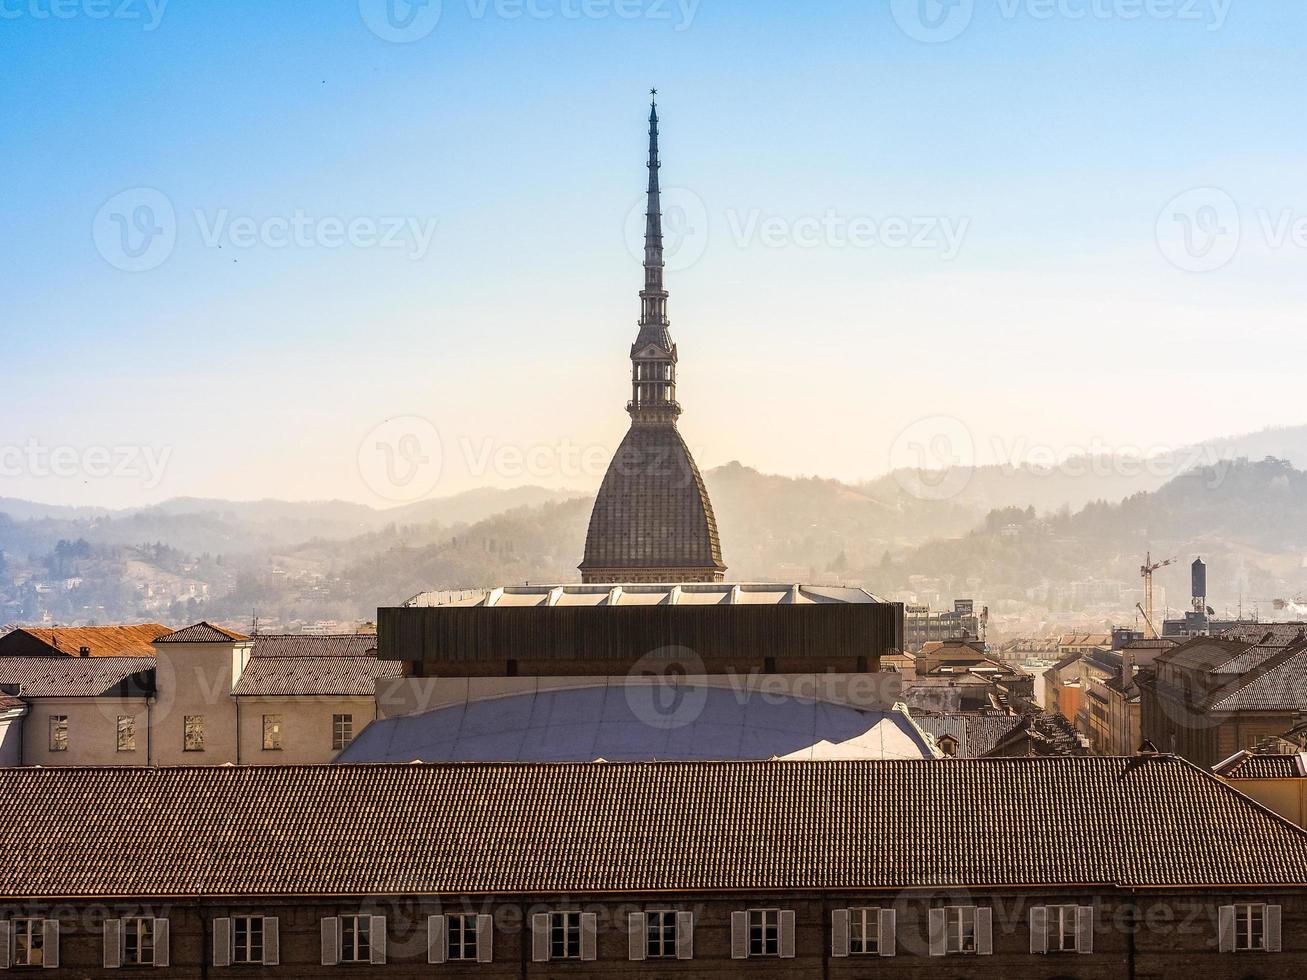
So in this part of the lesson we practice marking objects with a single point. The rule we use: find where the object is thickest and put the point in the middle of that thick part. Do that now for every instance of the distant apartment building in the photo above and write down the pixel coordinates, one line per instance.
(1109, 713)
(206, 696)
(1211, 696)
(921, 625)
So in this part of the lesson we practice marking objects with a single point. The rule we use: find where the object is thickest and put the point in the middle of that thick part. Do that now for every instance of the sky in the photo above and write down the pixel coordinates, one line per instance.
(369, 250)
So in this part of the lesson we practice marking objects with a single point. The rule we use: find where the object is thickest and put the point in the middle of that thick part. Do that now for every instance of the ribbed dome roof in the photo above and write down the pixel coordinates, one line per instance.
(652, 511)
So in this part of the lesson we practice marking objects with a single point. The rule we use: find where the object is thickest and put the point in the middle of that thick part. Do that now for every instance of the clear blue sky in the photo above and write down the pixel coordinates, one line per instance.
(1052, 141)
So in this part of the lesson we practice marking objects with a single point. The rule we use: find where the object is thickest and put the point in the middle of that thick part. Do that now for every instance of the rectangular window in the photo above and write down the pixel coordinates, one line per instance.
(342, 731)
(961, 922)
(58, 733)
(1250, 927)
(864, 931)
(138, 942)
(660, 931)
(126, 733)
(193, 733)
(272, 733)
(1062, 928)
(764, 932)
(29, 942)
(565, 935)
(247, 939)
(461, 937)
(356, 938)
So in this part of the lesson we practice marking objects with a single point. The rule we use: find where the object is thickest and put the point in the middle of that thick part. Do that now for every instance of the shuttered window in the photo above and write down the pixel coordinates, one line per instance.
(864, 932)
(961, 924)
(1250, 927)
(764, 932)
(247, 939)
(29, 942)
(138, 942)
(565, 935)
(660, 935)
(461, 937)
(1062, 928)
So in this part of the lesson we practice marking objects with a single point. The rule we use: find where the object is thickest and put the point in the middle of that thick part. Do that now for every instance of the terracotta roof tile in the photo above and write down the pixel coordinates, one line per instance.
(101, 641)
(581, 828)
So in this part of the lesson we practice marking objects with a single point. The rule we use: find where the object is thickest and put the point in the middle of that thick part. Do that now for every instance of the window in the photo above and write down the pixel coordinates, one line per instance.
(1250, 927)
(1062, 928)
(29, 942)
(193, 733)
(864, 931)
(126, 733)
(138, 942)
(960, 921)
(356, 939)
(565, 935)
(247, 939)
(660, 935)
(764, 932)
(461, 938)
(342, 731)
(272, 733)
(58, 733)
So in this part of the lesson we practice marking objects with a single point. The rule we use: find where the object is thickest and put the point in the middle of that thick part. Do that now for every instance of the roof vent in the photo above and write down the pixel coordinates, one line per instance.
(83, 651)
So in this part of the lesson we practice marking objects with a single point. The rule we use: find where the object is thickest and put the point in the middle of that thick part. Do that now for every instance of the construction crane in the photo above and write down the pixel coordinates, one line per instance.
(1146, 571)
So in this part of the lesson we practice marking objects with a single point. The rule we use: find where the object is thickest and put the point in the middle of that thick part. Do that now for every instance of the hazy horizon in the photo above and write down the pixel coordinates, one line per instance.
(1035, 297)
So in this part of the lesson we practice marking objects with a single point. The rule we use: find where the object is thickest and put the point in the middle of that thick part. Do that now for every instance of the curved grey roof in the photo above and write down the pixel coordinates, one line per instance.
(632, 723)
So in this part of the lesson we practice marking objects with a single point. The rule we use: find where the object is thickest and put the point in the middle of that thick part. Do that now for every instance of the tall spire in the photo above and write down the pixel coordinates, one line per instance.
(653, 224)
(653, 297)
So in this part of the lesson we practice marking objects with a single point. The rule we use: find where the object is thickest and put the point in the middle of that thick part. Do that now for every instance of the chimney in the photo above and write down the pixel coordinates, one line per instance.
(83, 651)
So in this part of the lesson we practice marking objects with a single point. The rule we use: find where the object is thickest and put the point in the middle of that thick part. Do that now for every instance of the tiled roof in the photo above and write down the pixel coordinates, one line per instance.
(608, 827)
(298, 645)
(202, 633)
(101, 641)
(1278, 684)
(70, 677)
(10, 703)
(307, 675)
(977, 735)
(1250, 765)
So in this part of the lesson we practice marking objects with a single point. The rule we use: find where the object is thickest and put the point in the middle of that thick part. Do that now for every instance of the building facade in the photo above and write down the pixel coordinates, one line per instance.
(694, 870)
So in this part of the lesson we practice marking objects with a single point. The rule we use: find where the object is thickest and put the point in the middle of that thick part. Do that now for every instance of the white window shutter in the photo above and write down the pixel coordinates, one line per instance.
(589, 935)
(6, 943)
(1272, 933)
(787, 934)
(271, 940)
(739, 935)
(984, 931)
(685, 935)
(485, 938)
(50, 940)
(1039, 929)
(113, 943)
(1085, 929)
(377, 936)
(437, 949)
(540, 937)
(839, 932)
(1225, 928)
(888, 926)
(937, 933)
(161, 952)
(222, 942)
(330, 941)
(639, 947)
